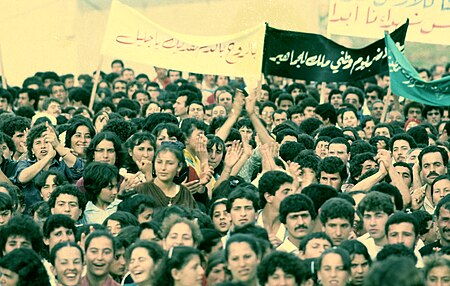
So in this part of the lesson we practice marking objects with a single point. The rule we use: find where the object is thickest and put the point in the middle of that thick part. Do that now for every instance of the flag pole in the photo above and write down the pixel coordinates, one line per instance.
(322, 92)
(2, 70)
(96, 80)
(386, 105)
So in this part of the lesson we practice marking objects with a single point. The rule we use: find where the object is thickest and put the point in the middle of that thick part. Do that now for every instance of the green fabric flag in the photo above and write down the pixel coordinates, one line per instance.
(406, 82)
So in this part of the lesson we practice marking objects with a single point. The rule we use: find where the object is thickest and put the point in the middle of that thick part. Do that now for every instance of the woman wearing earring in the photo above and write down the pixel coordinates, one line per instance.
(165, 187)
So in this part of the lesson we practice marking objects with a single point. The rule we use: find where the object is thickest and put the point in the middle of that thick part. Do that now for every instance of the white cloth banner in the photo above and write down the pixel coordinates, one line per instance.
(429, 20)
(130, 35)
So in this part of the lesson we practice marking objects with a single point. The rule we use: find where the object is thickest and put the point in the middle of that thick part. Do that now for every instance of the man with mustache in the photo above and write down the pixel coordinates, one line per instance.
(297, 213)
(442, 219)
(432, 162)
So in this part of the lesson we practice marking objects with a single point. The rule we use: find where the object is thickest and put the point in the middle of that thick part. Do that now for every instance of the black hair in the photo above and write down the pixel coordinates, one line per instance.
(311, 236)
(401, 217)
(288, 262)
(60, 178)
(270, 182)
(376, 201)
(23, 226)
(108, 136)
(27, 265)
(124, 218)
(433, 149)
(296, 203)
(396, 250)
(289, 150)
(354, 247)
(337, 208)
(69, 190)
(333, 165)
(356, 163)
(96, 234)
(390, 190)
(55, 221)
(136, 204)
(97, 176)
(319, 194)
(243, 193)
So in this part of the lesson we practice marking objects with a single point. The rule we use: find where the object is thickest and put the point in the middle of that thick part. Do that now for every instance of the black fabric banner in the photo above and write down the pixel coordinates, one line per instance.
(314, 57)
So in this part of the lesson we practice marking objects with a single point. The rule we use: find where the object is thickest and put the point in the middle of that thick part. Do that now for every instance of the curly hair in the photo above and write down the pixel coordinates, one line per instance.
(27, 265)
(108, 136)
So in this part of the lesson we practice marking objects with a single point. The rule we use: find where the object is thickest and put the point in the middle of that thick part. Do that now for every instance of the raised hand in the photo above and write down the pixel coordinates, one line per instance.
(233, 155)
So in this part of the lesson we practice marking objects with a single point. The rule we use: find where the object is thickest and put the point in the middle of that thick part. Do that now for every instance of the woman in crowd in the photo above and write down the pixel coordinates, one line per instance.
(48, 181)
(150, 108)
(6, 209)
(44, 153)
(361, 260)
(179, 231)
(101, 181)
(67, 259)
(181, 266)
(79, 135)
(118, 220)
(243, 252)
(141, 206)
(168, 163)
(334, 267)
(141, 149)
(21, 267)
(216, 270)
(437, 270)
(220, 216)
(167, 132)
(142, 259)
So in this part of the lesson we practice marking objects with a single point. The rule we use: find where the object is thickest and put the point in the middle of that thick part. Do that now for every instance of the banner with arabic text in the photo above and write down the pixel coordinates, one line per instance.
(314, 57)
(429, 20)
(406, 82)
(130, 35)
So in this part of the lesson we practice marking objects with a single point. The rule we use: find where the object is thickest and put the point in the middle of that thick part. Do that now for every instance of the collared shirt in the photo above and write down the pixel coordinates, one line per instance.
(288, 246)
(427, 205)
(369, 242)
(31, 193)
(93, 214)
(108, 282)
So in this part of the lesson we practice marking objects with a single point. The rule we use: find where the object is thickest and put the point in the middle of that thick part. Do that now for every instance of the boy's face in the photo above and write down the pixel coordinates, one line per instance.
(16, 241)
(338, 229)
(374, 222)
(242, 212)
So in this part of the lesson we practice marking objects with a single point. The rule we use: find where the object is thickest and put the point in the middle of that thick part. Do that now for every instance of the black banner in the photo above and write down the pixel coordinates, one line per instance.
(314, 57)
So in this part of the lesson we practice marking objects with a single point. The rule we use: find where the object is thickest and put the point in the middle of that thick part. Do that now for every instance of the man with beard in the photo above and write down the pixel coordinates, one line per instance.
(442, 219)
(432, 163)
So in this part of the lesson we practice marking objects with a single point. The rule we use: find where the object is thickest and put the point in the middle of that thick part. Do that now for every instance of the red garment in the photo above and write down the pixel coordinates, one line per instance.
(108, 282)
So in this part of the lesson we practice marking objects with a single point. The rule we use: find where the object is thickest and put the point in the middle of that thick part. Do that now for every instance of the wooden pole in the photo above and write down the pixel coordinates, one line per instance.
(96, 81)
(386, 105)
(322, 92)
(2, 71)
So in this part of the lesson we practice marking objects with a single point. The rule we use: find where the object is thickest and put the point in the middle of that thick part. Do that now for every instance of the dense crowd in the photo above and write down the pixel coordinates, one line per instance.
(202, 180)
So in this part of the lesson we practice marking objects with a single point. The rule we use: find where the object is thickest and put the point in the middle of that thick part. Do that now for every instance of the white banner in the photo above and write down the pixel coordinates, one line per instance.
(429, 20)
(130, 35)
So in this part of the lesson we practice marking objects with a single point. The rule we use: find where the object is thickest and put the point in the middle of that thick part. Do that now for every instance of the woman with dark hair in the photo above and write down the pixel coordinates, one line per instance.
(150, 108)
(181, 266)
(220, 216)
(44, 153)
(118, 220)
(101, 180)
(167, 132)
(141, 206)
(334, 267)
(141, 148)
(6, 208)
(22, 266)
(79, 135)
(165, 188)
(142, 258)
(243, 251)
(221, 160)
(48, 181)
(105, 147)
(67, 259)
(361, 260)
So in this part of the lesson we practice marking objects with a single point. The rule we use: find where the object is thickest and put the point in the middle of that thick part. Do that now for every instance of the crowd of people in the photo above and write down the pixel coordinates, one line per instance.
(201, 180)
